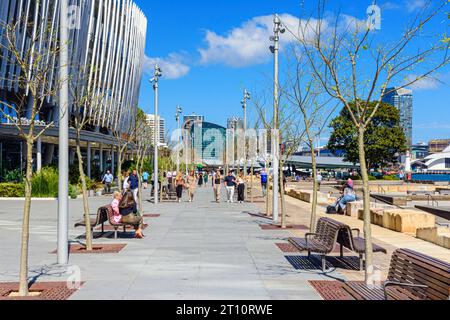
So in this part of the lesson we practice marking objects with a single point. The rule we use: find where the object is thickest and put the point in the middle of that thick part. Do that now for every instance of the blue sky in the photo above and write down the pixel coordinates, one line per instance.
(207, 61)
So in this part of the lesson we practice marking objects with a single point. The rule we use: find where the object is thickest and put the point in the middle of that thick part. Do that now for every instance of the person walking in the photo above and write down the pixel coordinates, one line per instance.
(200, 180)
(241, 188)
(134, 184)
(263, 176)
(230, 182)
(165, 184)
(179, 185)
(145, 176)
(192, 182)
(217, 181)
(126, 183)
(205, 178)
(319, 179)
(108, 179)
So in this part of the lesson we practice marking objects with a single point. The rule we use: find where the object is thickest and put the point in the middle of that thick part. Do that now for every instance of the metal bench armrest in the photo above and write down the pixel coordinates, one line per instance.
(358, 231)
(399, 284)
(309, 235)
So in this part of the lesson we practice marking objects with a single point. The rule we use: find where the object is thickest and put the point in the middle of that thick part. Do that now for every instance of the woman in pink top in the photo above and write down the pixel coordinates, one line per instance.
(117, 217)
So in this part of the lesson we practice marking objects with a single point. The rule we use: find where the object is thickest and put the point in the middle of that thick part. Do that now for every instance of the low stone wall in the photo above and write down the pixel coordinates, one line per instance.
(307, 195)
(353, 208)
(400, 220)
(439, 236)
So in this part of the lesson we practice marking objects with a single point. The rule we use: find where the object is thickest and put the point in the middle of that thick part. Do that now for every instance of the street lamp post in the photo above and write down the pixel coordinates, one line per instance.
(63, 158)
(275, 135)
(244, 106)
(155, 81)
(177, 117)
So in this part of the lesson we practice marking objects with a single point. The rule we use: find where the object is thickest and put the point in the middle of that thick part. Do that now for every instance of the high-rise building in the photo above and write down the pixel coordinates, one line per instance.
(106, 53)
(402, 99)
(162, 127)
(438, 145)
(235, 123)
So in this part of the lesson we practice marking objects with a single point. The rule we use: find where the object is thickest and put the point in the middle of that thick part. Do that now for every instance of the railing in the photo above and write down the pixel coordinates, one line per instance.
(381, 190)
(432, 200)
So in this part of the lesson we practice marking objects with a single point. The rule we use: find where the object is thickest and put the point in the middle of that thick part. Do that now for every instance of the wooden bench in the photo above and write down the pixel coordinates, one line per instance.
(109, 213)
(99, 219)
(356, 243)
(412, 276)
(322, 241)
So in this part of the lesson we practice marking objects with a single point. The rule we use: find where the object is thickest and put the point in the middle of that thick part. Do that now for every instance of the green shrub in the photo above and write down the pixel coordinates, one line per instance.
(12, 190)
(391, 177)
(357, 178)
(73, 191)
(13, 176)
(45, 183)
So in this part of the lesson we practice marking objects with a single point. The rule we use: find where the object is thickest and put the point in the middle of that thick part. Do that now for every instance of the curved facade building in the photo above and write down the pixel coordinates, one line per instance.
(106, 41)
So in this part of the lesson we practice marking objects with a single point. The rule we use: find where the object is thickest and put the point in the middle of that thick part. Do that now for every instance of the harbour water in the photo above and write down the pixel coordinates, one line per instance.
(431, 177)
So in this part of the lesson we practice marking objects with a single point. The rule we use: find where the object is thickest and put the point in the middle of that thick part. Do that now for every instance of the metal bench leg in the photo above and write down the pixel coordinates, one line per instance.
(103, 228)
(309, 254)
(342, 251)
(324, 263)
(115, 233)
(361, 262)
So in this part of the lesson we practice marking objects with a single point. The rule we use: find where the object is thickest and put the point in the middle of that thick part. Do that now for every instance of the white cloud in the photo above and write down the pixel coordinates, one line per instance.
(249, 44)
(389, 5)
(427, 83)
(413, 5)
(173, 66)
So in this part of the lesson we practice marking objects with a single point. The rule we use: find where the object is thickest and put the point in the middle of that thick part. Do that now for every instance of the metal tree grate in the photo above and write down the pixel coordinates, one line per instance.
(97, 249)
(278, 227)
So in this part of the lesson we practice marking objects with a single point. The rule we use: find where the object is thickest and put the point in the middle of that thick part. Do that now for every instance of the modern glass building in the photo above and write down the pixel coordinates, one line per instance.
(207, 141)
(402, 99)
(106, 53)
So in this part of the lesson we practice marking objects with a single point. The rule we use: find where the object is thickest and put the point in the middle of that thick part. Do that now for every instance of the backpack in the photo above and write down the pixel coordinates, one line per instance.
(331, 210)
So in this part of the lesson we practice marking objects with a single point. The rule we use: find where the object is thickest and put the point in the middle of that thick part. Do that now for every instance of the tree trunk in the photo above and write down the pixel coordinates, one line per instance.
(367, 221)
(315, 188)
(119, 169)
(86, 215)
(251, 183)
(23, 272)
(283, 200)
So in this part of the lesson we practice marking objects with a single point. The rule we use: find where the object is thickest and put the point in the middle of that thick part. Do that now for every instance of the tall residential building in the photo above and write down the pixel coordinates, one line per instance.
(235, 123)
(106, 53)
(438, 145)
(162, 127)
(402, 99)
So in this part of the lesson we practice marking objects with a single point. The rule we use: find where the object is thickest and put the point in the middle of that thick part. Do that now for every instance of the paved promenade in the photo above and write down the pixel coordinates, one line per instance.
(199, 250)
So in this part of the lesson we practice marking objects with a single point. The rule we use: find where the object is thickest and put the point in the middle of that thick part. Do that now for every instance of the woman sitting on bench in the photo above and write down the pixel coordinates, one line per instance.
(130, 214)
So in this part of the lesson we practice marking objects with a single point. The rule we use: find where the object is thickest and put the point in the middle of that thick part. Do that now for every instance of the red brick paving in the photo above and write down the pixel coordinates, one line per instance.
(287, 247)
(49, 291)
(331, 290)
(97, 249)
(278, 227)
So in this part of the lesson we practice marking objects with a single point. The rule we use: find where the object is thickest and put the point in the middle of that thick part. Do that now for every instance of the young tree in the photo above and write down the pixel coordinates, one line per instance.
(142, 147)
(352, 64)
(291, 136)
(304, 93)
(34, 81)
(124, 137)
(85, 107)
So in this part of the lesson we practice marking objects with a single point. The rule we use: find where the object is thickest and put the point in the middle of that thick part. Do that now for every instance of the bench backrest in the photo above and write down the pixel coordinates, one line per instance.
(328, 231)
(102, 215)
(408, 266)
(108, 211)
